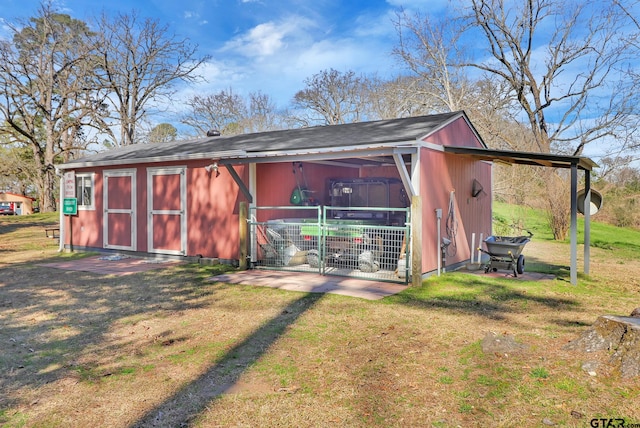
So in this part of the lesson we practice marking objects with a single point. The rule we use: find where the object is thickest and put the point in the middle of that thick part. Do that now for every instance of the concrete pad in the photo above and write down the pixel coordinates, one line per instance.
(526, 276)
(312, 283)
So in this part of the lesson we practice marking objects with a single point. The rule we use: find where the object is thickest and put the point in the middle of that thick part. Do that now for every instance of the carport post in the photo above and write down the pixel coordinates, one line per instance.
(574, 224)
(416, 240)
(587, 220)
(243, 236)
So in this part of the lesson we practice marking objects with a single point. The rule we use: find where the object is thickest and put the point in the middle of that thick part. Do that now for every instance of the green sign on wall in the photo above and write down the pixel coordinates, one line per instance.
(70, 206)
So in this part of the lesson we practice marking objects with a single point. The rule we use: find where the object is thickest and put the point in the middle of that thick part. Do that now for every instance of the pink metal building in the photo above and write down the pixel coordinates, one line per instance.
(184, 198)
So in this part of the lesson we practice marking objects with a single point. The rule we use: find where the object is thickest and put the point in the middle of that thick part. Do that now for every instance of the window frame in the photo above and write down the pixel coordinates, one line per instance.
(86, 178)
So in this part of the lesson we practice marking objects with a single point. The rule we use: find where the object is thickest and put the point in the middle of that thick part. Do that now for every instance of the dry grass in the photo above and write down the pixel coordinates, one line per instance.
(168, 348)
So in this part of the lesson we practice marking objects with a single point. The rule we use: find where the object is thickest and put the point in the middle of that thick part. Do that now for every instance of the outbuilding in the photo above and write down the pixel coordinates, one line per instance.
(18, 204)
(388, 197)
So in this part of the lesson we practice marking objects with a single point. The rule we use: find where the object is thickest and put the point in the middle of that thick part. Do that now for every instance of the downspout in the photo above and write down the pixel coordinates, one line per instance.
(62, 237)
(438, 249)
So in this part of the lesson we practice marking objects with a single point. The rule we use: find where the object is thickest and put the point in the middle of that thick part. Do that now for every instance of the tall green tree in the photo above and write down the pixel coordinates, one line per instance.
(162, 133)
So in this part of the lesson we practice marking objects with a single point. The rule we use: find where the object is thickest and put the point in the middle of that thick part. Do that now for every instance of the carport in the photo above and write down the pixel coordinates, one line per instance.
(574, 163)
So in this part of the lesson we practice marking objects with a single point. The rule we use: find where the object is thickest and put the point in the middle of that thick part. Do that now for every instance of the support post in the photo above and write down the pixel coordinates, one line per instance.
(587, 220)
(243, 236)
(416, 241)
(574, 224)
(63, 232)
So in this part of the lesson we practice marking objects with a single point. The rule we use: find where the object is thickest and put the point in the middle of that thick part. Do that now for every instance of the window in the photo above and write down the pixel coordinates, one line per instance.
(84, 191)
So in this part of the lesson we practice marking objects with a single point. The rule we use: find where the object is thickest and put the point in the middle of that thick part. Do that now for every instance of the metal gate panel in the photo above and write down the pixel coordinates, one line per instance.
(284, 243)
(369, 243)
(325, 241)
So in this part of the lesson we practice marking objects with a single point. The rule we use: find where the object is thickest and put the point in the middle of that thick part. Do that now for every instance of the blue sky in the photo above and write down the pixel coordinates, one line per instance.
(266, 45)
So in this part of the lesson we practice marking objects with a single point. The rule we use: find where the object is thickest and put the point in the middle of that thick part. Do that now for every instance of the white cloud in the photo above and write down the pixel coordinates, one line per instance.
(269, 38)
(277, 55)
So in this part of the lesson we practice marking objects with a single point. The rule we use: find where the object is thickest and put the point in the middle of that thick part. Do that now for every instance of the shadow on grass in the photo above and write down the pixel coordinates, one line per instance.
(38, 305)
(49, 317)
(561, 272)
(189, 402)
(488, 297)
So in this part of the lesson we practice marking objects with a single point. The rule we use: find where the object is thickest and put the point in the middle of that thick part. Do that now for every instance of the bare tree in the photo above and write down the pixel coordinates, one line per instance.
(47, 91)
(263, 114)
(563, 62)
(231, 114)
(562, 65)
(330, 97)
(395, 98)
(431, 50)
(141, 61)
(224, 111)
(560, 59)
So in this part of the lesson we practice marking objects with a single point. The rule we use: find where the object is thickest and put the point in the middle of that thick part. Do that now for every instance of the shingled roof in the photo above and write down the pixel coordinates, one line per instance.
(369, 134)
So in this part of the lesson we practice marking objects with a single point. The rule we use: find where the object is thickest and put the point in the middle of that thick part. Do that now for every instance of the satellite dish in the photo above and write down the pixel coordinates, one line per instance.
(596, 201)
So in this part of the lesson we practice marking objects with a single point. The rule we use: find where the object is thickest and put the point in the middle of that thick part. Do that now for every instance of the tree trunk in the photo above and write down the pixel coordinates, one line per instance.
(48, 202)
(620, 336)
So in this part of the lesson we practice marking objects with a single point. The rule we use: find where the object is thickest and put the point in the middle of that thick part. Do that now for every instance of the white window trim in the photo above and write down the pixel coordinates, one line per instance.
(92, 206)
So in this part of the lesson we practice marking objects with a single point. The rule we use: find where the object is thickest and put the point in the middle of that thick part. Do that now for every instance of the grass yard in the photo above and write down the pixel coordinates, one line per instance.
(168, 348)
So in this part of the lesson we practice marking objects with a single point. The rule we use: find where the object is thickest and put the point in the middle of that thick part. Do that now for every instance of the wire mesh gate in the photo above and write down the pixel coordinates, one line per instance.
(369, 243)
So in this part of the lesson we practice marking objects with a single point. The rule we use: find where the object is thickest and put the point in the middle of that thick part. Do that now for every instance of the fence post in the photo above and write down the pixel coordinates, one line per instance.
(243, 236)
(416, 240)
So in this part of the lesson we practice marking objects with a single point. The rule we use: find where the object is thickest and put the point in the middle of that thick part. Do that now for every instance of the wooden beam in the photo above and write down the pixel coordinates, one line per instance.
(243, 236)
(404, 175)
(543, 163)
(239, 182)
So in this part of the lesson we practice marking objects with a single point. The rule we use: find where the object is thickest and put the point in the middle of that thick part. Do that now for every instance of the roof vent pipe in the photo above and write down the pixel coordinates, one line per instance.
(213, 133)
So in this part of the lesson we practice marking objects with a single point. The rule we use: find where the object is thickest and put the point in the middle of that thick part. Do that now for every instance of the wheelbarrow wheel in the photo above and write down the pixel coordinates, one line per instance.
(313, 258)
(520, 264)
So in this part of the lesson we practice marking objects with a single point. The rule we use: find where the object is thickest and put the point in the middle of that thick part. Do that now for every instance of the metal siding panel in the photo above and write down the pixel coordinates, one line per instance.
(213, 212)
(457, 133)
(87, 224)
(276, 182)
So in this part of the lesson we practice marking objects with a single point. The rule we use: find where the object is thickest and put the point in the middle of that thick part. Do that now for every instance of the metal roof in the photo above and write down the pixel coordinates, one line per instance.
(524, 158)
(360, 142)
(326, 140)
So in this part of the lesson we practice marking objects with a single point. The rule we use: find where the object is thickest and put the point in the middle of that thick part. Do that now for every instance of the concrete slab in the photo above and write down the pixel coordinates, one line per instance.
(312, 283)
(526, 276)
